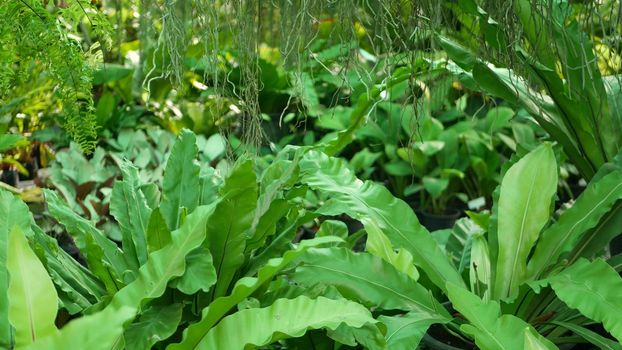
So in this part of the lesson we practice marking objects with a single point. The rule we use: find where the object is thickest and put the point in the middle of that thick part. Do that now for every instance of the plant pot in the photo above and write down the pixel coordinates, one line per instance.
(435, 222)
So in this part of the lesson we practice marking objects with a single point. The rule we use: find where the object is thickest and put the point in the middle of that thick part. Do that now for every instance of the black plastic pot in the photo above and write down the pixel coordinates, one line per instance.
(435, 222)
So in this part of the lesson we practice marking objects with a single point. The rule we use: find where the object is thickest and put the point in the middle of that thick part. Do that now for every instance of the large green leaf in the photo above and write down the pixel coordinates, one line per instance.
(180, 185)
(596, 201)
(33, 301)
(13, 212)
(527, 190)
(226, 229)
(243, 288)
(284, 319)
(366, 279)
(166, 263)
(99, 331)
(200, 273)
(129, 206)
(489, 328)
(155, 324)
(406, 331)
(368, 202)
(594, 289)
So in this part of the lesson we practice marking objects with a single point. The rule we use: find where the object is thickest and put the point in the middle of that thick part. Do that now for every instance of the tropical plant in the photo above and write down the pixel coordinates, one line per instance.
(182, 246)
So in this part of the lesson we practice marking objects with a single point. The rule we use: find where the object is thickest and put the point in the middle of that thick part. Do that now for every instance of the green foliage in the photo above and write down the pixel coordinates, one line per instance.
(31, 33)
(591, 287)
(525, 199)
(281, 320)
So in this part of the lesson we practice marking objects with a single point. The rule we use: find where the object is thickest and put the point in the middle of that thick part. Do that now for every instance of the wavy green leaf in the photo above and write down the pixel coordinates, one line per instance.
(200, 273)
(366, 279)
(243, 288)
(405, 332)
(596, 201)
(368, 202)
(285, 318)
(527, 190)
(489, 328)
(166, 263)
(593, 288)
(129, 207)
(33, 301)
(155, 324)
(13, 212)
(180, 185)
(99, 331)
(226, 229)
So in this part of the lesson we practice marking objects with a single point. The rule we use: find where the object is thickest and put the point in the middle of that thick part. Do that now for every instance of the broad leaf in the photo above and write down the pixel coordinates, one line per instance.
(200, 273)
(406, 331)
(243, 288)
(33, 301)
(368, 201)
(367, 279)
(226, 229)
(594, 289)
(166, 263)
(180, 185)
(525, 199)
(155, 324)
(489, 328)
(284, 319)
